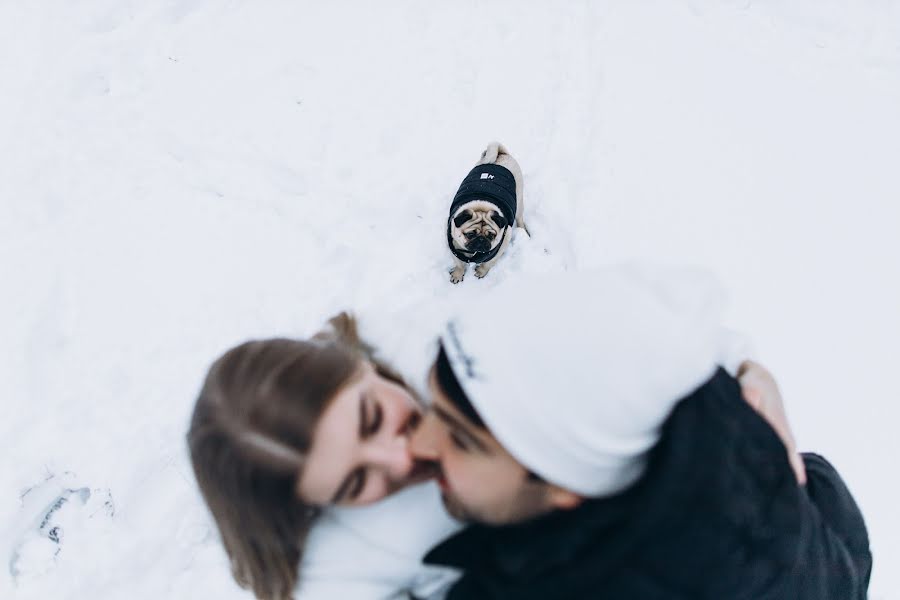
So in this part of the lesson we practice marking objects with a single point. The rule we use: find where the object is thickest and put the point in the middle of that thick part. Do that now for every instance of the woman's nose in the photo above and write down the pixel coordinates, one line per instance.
(391, 455)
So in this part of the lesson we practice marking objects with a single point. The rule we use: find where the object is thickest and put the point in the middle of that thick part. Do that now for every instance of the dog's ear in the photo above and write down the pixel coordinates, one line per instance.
(462, 218)
(499, 220)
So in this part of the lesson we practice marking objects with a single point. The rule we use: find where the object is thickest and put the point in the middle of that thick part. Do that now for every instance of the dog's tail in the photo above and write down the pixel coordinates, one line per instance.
(490, 154)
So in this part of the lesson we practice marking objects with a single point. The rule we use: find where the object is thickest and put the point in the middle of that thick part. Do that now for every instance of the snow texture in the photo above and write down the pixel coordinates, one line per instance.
(179, 175)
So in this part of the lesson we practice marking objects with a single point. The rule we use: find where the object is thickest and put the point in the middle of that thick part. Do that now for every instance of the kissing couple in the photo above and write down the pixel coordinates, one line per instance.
(578, 435)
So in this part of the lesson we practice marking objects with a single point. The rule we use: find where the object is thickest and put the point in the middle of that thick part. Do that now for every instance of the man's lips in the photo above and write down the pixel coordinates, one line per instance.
(425, 469)
(442, 482)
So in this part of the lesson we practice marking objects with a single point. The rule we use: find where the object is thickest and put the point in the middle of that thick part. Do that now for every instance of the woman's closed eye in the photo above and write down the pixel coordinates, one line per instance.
(358, 484)
(371, 416)
(352, 486)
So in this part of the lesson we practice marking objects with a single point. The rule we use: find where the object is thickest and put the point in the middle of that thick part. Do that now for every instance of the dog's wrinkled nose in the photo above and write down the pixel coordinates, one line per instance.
(480, 244)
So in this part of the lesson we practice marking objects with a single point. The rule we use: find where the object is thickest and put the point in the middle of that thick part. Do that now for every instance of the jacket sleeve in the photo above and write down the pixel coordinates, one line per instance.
(835, 543)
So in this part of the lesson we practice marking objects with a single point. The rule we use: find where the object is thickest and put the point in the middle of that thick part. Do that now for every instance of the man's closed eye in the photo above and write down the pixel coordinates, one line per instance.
(459, 442)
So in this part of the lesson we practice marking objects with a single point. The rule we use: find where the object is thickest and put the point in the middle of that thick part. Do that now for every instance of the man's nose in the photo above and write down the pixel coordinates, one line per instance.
(423, 442)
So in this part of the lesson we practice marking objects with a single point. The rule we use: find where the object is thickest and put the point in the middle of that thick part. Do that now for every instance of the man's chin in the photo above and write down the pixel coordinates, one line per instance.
(456, 510)
(484, 516)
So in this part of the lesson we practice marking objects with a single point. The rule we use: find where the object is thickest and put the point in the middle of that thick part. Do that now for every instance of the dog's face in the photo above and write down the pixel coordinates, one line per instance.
(477, 226)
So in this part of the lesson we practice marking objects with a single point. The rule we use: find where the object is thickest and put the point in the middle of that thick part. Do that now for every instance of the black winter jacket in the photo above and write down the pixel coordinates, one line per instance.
(718, 515)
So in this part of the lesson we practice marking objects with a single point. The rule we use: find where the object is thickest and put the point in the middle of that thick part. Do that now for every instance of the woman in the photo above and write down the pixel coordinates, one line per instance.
(284, 429)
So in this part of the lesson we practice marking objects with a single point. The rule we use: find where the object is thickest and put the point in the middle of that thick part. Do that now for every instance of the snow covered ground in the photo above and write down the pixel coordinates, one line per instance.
(179, 175)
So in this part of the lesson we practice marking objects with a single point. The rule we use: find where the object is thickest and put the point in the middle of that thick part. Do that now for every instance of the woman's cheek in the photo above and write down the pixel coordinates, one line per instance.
(376, 489)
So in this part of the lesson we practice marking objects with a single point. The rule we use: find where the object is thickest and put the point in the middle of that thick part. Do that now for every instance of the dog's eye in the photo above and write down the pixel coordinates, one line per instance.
(462, 218)
(470, 234)
(491, 235)
(499, 221)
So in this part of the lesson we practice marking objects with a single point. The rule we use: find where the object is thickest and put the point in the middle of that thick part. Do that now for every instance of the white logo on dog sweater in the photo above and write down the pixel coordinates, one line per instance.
(486, 176)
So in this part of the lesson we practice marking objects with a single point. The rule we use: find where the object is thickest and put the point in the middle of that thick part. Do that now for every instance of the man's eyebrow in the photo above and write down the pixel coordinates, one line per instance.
(458, 425)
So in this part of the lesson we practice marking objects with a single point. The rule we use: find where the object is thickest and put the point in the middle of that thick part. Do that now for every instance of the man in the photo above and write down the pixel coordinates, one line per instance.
(605, 453)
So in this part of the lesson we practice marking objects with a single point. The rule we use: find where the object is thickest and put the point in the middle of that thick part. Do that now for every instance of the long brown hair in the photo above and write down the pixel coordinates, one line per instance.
(249, 436)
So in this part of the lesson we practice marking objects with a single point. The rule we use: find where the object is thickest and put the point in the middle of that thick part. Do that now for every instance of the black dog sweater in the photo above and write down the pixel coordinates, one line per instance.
(492, 183)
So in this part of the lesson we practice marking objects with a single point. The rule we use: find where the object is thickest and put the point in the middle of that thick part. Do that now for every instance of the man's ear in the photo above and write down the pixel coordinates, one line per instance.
(563, 499)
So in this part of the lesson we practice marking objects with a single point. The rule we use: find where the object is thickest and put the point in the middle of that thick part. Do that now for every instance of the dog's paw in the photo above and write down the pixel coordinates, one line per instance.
(456, 275)
(481, 271)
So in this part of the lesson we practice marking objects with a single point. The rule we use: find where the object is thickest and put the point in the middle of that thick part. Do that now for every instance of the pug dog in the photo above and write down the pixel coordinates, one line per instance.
(484, 212)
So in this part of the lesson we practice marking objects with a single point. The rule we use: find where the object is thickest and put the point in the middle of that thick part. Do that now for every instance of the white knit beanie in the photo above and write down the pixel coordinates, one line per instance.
(574, 373)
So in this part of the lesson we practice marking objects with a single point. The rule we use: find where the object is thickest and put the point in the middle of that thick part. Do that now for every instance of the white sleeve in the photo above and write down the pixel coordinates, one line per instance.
(375, 552)
(325, 588)
(339, 564)
(312, 588)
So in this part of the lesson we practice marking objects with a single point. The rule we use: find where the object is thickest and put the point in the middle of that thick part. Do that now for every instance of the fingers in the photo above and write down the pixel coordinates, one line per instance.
(752, 396)
(761, 392)
(798, 466)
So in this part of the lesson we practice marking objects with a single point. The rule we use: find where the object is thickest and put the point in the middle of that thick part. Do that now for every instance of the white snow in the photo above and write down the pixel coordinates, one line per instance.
(177, 176)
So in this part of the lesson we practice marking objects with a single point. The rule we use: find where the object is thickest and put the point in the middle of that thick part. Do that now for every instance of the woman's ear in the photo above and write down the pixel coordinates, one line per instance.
(563, 499)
